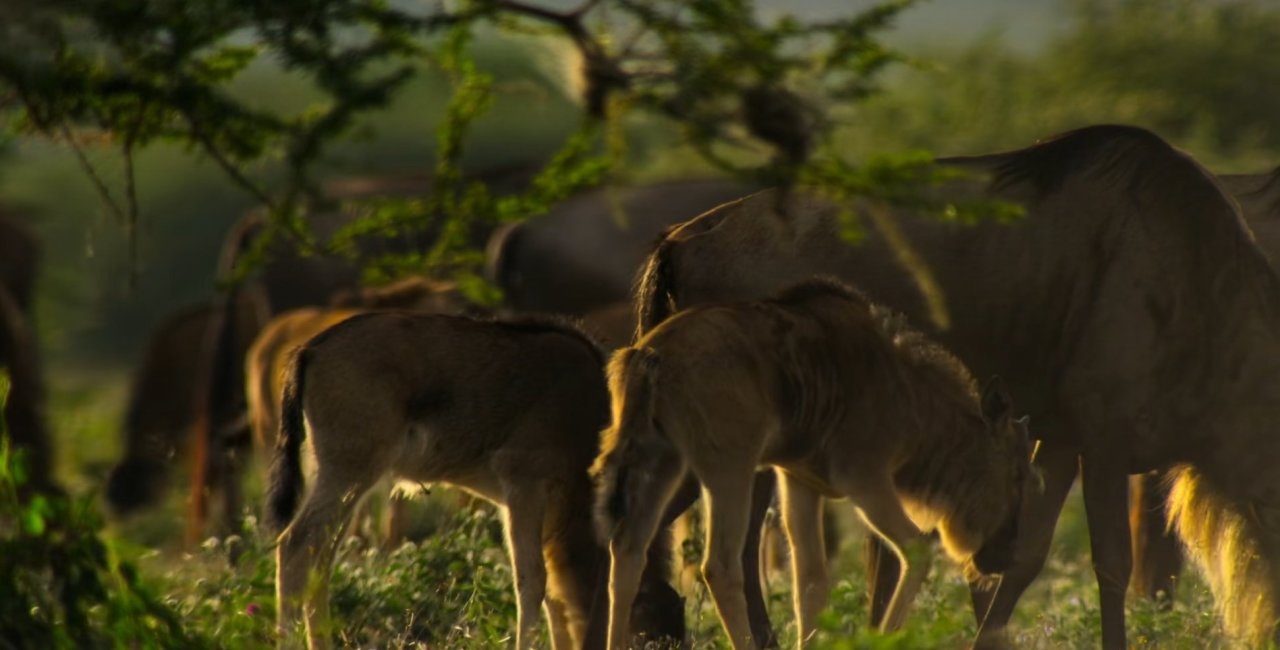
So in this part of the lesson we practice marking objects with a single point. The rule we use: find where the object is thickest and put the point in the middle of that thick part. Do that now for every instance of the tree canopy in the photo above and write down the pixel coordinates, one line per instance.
(754, 97)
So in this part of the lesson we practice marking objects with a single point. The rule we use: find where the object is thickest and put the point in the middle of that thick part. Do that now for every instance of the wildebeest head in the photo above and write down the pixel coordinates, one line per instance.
(1013, 445)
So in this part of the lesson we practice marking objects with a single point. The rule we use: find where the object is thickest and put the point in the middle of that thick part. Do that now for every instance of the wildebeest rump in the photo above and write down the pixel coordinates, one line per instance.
(1139, 331)
(510, 411)
(584, 253)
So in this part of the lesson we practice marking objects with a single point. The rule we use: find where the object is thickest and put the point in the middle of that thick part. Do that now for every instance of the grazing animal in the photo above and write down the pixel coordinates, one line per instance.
(289, 280)
(844, 403)
(510, 411)
(19, 351)
(161, 405)
(1130, 312)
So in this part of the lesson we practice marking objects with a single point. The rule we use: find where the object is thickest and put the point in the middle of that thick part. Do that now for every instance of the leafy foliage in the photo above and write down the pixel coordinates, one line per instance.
(62, 585)
(752, 97)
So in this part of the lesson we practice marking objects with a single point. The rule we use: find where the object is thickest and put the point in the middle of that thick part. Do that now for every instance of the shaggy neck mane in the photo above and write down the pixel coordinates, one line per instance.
(945, 474)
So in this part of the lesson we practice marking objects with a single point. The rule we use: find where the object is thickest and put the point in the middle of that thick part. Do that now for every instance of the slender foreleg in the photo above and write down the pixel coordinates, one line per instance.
(877, 502)
(1058, 467)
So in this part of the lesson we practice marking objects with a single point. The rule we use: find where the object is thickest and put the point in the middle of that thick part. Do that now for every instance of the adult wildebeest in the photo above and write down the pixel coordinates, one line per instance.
(584, 253)
(24, 417)
(844, 401)
(1130, 312)
(19, 350)
(161, 404)
(510, 411)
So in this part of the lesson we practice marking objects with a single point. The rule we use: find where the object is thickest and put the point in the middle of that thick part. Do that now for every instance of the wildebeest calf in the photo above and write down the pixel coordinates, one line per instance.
(510, 411)
(844, 401)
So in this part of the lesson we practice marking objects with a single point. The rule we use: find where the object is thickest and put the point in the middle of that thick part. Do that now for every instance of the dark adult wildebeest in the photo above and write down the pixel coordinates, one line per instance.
(511, 411)
(161, 404)
(844, 401)
(1130, 312)
(584, 253)
(19, 350)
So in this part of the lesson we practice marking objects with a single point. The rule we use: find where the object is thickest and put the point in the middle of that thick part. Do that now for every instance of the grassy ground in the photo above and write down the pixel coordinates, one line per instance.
(453, 589)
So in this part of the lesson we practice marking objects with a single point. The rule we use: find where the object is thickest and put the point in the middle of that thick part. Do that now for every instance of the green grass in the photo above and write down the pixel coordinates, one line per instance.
(453, 588)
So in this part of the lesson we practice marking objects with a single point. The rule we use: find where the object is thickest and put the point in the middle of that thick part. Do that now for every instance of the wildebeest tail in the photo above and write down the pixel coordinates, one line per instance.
(625, 445)
(285, 482)
(655, 292)
(1237, 552)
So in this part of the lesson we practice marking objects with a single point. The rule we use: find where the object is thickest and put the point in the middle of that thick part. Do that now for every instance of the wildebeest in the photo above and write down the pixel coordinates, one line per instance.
(267, 358)
(291, 280)
(510, 411)
(161, 404)
(19, 350)
(24, 416)
(19, 260)
(584, 253)
(1130, 312)
(840, 399)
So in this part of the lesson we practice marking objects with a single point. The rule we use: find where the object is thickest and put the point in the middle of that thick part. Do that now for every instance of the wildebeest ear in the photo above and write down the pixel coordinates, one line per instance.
(996, 403)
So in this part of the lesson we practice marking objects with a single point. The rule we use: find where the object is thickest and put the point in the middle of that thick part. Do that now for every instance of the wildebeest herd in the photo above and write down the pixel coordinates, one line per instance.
(1132, 314)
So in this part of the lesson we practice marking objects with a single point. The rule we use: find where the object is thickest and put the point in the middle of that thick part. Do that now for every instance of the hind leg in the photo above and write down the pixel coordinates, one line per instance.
(558, 622)
(727, 496)
(647, 491)
(304, 557)
(1039, 516)
(757, 610)
(1157, 553)
(802, 517)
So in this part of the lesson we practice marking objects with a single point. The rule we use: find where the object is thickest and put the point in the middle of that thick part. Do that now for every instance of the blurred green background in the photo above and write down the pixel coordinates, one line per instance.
(986, 75)
(989, 74)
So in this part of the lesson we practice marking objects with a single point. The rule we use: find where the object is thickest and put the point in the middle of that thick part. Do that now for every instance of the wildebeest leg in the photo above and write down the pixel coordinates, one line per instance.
(877, 502)
(757, 609)
(558, 622)
(304, 556)
(1058, 467)
(525, 507)
(397, 516)
(728, 518)
(1106, 501)
(882, 576)
(1157, 553)
(647, 491)
(810, 585)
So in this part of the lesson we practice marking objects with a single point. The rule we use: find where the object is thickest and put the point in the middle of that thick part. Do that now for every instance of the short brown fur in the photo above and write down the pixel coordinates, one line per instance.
(844, 402)
(509, 411)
